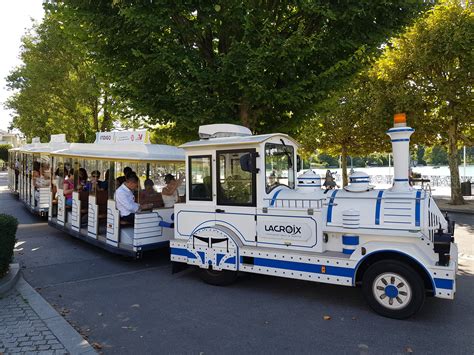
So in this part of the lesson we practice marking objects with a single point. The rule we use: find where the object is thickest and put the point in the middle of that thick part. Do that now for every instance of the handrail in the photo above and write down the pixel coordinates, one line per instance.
(295, 202)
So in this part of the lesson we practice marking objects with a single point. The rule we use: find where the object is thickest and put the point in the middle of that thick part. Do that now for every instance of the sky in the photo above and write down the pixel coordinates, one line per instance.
(15, 19)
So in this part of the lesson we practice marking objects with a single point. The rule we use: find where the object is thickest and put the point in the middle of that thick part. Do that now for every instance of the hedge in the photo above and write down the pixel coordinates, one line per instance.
(4, 151)
(8, 226)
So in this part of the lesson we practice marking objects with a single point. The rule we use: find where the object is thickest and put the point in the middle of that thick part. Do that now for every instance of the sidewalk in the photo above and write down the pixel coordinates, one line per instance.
(29, 325)
(444, 204)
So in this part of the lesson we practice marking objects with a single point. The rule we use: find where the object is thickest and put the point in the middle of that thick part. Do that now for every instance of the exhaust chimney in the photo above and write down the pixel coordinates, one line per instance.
(400, 137)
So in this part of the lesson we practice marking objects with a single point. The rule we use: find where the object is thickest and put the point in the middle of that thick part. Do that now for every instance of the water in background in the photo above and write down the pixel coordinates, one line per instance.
(381, 177)
(441, 171)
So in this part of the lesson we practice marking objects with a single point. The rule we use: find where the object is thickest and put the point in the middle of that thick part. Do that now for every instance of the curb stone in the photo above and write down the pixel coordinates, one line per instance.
(74, 343)
(9, 281)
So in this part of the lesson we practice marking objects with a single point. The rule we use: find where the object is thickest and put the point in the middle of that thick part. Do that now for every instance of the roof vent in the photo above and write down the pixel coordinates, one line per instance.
(359, 182)
(223, 130)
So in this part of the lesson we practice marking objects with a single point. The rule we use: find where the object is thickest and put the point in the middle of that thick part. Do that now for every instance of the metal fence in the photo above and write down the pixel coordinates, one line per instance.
(434, 180)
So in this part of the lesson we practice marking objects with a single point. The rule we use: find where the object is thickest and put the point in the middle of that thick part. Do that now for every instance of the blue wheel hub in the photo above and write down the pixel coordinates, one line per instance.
(391, 291)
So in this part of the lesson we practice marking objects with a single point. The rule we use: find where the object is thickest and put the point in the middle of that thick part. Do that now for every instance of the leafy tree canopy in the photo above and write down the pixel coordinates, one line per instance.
(259, 63)
(427, 72)
(59, 88)
(349, 122)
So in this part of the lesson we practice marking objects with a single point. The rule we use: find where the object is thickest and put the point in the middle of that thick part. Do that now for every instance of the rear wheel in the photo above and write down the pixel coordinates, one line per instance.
(218, 278)
(393, 289)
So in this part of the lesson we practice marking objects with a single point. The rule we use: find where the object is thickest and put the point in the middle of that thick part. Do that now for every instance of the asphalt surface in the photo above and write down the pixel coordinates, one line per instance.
(140, 307)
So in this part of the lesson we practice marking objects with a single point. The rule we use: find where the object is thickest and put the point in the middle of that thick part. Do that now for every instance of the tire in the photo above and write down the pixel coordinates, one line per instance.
(218, 278)
(393, 289)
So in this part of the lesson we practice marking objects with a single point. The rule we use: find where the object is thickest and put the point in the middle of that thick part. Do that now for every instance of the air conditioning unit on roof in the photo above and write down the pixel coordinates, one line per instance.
(220, 130)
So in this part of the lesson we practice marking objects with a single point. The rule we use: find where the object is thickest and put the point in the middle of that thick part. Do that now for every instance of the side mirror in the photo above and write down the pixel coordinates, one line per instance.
(248, 162)
(298, 163)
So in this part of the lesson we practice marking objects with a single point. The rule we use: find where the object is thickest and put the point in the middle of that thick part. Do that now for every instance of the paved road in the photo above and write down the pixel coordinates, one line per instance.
(140, 307)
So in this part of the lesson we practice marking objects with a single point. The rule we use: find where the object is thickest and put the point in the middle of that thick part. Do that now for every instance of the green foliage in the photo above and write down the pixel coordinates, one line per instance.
(348, 122)
(469, 155)
(259, 63)
(59, 88)
(427, 72)
(8, 226)
(436, 155)
(377, 159)
(326, 160)
(420, 153)
(4, 151)
(237, 189)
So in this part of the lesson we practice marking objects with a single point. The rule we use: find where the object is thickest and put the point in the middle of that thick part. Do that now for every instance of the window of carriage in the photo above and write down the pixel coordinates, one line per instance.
(279, 169)
(234, 185)
(200, 178)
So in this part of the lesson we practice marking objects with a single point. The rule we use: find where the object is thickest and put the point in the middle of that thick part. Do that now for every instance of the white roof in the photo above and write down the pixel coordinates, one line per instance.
(43, 147)
(236, 140)
(57, 141)
(133, 152)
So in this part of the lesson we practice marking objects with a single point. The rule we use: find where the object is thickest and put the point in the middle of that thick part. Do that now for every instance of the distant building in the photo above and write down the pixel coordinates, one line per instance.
(10, 138)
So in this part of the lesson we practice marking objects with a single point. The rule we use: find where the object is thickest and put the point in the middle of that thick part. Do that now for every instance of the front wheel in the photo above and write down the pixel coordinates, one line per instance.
(393, 289)
(218, 278)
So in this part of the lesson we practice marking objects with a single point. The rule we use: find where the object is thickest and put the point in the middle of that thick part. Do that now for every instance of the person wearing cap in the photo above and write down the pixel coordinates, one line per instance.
(170, 191)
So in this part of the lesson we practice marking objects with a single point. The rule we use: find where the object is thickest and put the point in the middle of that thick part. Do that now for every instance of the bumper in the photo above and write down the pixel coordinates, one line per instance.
(444, 278)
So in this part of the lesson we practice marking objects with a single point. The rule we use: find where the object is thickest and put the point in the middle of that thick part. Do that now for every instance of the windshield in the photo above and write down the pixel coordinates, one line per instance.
(278, 166)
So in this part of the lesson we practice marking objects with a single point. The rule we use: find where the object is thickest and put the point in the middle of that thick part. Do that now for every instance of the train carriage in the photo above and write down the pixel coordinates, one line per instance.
(13, 169)
(246, 212)
(33, 166)
(92, 214)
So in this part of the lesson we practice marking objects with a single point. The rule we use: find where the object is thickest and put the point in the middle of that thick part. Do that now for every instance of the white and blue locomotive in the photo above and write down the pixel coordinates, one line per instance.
(247, 211)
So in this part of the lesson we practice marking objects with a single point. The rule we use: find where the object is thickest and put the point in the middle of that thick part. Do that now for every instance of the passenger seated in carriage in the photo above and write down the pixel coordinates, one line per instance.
(41, 177)
(68, 187)
(125, 200)
(170, 191)
(104, 185)
(120, 180)
(93, 184)
(36, 171)
(150, 195)
(82, 178)
(128, 170)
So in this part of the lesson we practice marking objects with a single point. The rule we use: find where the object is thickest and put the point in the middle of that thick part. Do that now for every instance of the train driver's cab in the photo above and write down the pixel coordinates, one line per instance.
(233, 176)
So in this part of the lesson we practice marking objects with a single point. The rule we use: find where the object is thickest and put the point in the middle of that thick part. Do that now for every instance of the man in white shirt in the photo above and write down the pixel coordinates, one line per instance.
(125, 200)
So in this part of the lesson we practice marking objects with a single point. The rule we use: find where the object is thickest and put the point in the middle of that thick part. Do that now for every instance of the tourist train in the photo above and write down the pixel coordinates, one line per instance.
(38, 173)
(245, 209)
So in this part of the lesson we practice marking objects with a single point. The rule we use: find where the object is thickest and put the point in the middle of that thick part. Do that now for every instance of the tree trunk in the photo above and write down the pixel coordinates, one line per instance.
(95, 113)
(106, 119)
(244, 114)
(456, 195)
(345, 180)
